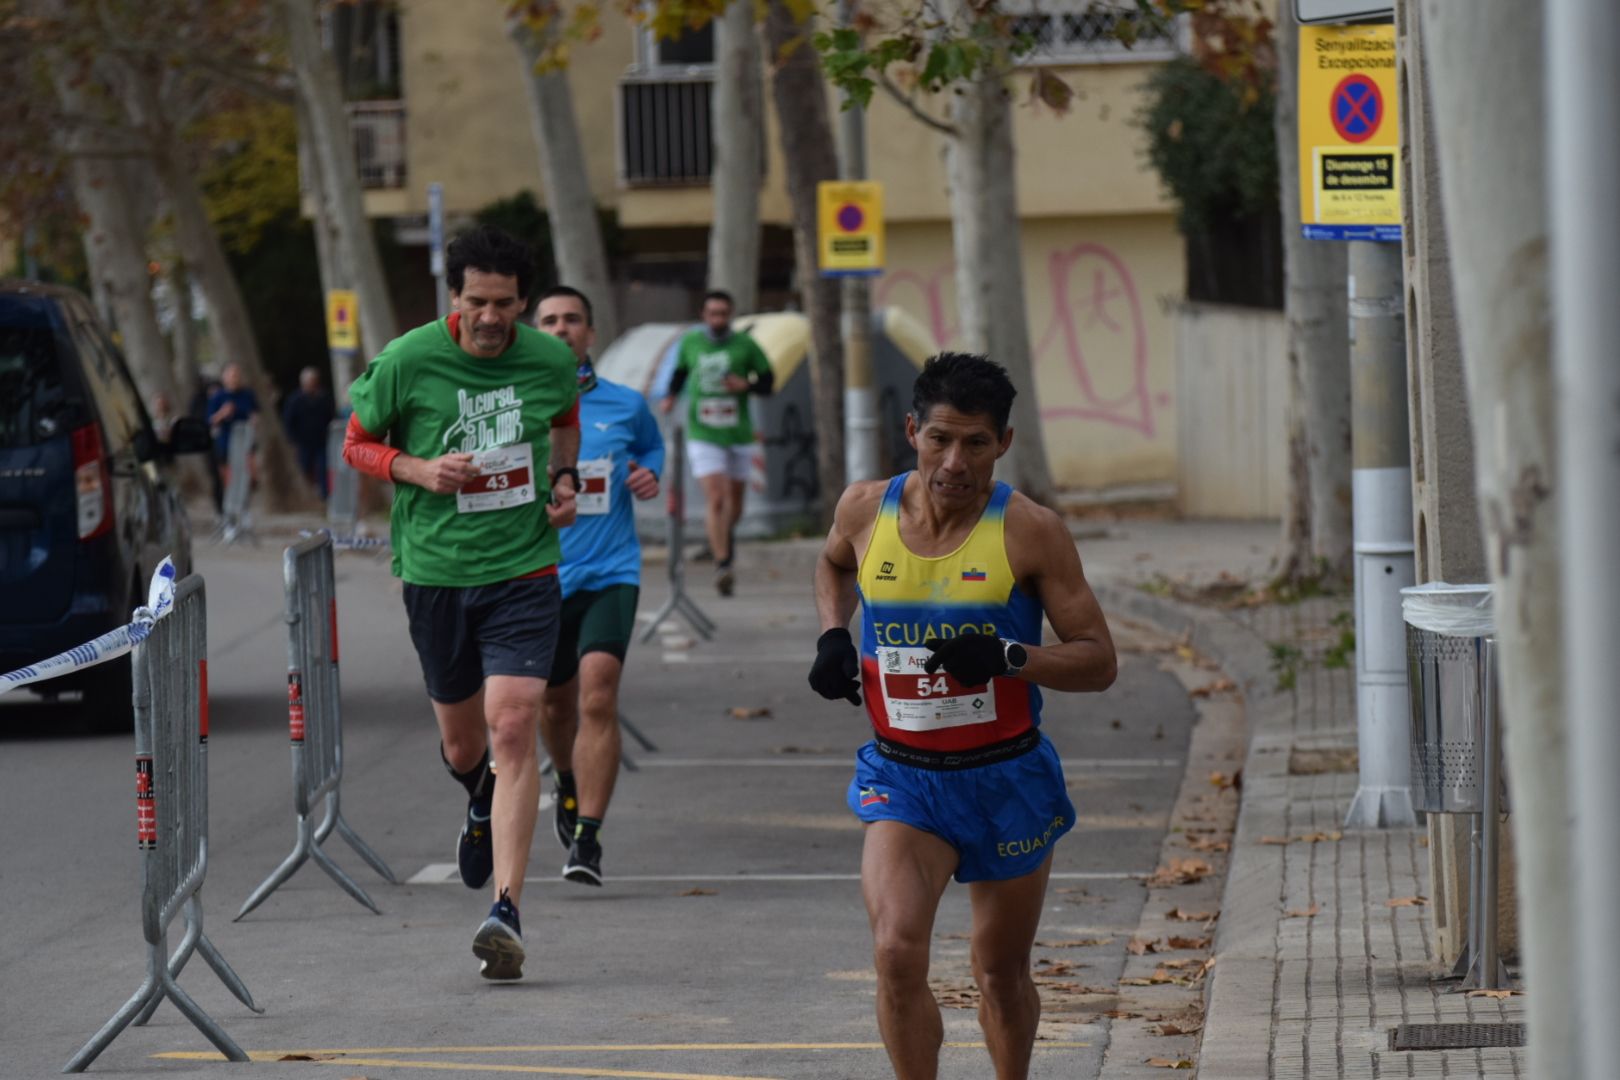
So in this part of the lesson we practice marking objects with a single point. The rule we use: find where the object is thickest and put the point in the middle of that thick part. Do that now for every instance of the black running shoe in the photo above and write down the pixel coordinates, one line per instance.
(566, 816)
(475, 851)
(584, 863)
(499, 942)
(725, 581)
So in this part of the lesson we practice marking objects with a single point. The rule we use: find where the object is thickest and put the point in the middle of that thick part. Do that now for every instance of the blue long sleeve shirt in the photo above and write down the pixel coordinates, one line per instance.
(601, 548)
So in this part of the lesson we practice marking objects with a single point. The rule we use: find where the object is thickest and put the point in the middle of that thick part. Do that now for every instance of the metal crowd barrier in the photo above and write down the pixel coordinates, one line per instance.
(236, 522)
(314, 719)
(171, 815)
(342, 485)
(678, 601)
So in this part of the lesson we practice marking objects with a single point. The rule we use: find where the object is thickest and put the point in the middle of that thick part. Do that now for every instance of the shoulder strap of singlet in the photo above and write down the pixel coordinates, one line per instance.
(891, 494)
(998, 499)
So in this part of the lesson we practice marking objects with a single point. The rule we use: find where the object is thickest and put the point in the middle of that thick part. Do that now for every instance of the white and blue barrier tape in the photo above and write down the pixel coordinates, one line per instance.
(109, 646)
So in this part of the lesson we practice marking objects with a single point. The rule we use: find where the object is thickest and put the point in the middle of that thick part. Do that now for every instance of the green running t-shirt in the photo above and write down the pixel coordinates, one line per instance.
(717, 415)
(431, 398)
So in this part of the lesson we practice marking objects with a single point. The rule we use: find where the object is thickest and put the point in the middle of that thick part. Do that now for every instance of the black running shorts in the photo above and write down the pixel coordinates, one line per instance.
(597, 620)
(464, 635)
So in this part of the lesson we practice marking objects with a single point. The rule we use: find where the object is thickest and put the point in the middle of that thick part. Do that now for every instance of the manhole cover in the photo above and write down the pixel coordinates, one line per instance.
(1455, 1036)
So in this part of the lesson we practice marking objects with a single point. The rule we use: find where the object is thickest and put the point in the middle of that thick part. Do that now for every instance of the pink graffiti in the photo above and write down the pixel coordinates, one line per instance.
(1107, 305)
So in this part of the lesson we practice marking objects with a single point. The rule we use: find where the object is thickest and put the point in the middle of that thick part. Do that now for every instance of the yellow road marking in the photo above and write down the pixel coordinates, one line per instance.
(573, 1048)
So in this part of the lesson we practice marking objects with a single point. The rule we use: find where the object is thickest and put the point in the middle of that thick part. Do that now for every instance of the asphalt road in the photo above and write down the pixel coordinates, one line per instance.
(730, 941)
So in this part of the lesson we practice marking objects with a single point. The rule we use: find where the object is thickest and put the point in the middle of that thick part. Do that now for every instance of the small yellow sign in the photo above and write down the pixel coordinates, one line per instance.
(850, 233)
(1349, 135)
(342, 320)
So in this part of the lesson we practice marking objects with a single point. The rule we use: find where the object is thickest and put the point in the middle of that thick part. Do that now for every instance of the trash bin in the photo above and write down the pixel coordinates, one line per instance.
(1450, 656)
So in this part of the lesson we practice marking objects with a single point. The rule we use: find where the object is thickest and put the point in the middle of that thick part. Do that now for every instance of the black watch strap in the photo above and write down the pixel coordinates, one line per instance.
(566, 470)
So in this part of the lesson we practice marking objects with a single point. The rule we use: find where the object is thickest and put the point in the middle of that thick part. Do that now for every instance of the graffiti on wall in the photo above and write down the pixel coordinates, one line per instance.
(1090, 327)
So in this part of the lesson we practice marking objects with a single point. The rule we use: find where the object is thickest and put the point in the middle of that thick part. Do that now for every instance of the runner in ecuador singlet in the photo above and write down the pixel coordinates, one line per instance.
(907, 599)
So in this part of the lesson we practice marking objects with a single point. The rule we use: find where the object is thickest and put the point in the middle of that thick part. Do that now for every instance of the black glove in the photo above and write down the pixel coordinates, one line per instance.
(836, 672)
(970, 659)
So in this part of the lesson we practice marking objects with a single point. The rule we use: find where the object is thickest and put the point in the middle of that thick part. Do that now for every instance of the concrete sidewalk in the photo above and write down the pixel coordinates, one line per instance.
(1323, 944)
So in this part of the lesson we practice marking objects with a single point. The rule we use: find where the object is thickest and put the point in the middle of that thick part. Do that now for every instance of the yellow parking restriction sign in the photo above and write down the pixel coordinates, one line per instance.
(1349, 135)
(342, 320)
(850, 233)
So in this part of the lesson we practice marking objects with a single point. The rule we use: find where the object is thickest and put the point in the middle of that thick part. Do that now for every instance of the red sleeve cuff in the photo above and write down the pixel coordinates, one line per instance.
(569, 418)
(366, 452)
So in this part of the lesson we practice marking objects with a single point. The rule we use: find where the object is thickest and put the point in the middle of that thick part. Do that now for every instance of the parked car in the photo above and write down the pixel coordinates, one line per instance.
(89, 504)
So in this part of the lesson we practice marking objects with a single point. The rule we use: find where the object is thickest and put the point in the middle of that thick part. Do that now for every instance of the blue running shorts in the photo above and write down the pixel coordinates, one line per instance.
(1002, 819)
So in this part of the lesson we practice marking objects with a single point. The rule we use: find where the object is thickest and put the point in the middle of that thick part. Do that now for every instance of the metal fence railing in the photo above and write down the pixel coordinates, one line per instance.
(171, 801)
(236, 521)
(342, 485)
(675, 503)
(314, 718)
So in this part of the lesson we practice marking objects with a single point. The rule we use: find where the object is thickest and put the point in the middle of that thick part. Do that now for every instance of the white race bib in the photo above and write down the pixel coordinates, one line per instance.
(918, 701)
(595, 486)
(719, 412)
(505, 479)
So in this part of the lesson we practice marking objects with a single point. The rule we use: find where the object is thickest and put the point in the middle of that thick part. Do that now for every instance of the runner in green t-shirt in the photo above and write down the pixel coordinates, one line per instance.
(482, 414)
(719, 369)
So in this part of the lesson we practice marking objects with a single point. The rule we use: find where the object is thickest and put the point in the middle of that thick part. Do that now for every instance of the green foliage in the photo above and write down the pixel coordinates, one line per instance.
(1339, 653)
(1215, 149)
(1285, 662)
(252, 181)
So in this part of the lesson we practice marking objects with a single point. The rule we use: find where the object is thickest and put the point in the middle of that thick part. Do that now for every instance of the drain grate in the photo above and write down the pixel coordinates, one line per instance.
(1455, 1036)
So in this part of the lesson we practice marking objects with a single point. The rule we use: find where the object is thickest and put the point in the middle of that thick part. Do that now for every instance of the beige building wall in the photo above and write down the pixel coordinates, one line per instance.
(1099, 321)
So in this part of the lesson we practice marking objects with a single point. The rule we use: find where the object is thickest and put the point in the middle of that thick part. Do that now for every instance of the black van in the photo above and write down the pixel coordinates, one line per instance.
(88, 502)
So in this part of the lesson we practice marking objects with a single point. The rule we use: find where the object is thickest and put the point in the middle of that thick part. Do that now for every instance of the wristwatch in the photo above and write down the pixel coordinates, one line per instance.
(1017, 656)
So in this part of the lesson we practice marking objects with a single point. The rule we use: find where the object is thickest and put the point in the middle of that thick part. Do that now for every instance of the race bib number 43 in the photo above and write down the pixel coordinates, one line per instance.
(505, 479)
(918, 701)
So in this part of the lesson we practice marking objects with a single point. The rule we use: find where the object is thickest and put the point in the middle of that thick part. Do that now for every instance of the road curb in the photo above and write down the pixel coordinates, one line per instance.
(1239, 994)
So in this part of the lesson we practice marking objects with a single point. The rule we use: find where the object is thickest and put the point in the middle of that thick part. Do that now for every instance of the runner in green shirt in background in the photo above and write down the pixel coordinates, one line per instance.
(482, 416)
(719, 369)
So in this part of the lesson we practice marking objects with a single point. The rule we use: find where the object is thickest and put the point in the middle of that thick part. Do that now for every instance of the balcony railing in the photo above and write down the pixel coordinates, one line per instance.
(664, 131)
(379, 142)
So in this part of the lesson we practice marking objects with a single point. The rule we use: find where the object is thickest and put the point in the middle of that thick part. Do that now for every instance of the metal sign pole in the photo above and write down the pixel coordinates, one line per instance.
(441, 288)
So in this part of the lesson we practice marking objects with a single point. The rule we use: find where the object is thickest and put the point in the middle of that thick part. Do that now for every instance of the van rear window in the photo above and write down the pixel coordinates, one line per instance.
(33, 396)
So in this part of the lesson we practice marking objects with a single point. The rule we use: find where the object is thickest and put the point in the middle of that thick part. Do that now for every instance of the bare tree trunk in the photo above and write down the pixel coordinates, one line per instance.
(328, 247)
(1503, 304)
(1316, 308)
(114, 244)
(184, 335)
(321, 98)
(576, 231)
(737, 129)
(1297, 563)
(810, 156)
(981, 171)
(200, 248)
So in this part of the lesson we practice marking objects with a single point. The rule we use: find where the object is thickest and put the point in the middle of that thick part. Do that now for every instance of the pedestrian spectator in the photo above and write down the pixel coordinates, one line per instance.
(233, 403)
(306, 415)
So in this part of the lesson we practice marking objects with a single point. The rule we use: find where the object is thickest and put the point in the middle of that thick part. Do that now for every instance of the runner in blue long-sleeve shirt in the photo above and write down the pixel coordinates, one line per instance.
(621, 455)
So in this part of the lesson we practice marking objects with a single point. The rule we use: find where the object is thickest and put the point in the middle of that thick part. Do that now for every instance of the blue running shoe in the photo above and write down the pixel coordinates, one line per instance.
(499, 942)
(475, 851)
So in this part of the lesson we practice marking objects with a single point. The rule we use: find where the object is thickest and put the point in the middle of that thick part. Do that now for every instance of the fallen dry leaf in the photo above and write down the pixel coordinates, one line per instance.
(743, 712)
(1183, 964)
(1192, 916)
(1189, 942)
(1207, 843)
(699, 892)
(1407, 901)
(1278, 840)
(1169, 1063)
(1141, 946)
(1221, 780)
(1053, 969)
(1179, 872)
(1073, 943)
(1178, 1029)
(1303, 913)
(1219, 686)
(1320, 837)
(1496, 995)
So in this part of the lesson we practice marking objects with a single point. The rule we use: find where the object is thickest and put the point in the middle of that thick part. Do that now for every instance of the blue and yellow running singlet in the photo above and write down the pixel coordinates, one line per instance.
(908, 598)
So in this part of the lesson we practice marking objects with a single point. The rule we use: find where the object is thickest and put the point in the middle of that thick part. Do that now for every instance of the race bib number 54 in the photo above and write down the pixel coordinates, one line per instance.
(918, 701)
(505, 479)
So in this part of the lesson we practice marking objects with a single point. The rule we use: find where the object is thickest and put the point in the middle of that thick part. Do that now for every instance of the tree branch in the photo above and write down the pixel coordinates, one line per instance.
(910, 105)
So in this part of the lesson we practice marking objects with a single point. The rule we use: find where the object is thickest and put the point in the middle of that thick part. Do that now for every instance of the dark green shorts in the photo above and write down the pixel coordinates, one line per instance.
(599, 620)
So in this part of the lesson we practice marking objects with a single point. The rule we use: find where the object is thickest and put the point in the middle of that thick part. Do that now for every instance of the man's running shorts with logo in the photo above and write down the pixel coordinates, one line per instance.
(1001, 818)
(464, 635)
(594, 620)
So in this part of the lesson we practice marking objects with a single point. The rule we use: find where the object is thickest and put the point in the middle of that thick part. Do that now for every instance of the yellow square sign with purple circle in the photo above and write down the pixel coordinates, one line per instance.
(850, 227)
(1349, 133)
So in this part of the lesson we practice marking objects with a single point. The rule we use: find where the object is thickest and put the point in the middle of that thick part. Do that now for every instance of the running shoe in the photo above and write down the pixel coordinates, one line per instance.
(499, 942)
(566, 816)
(584, 863)
(724, 580)
(475, 851)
